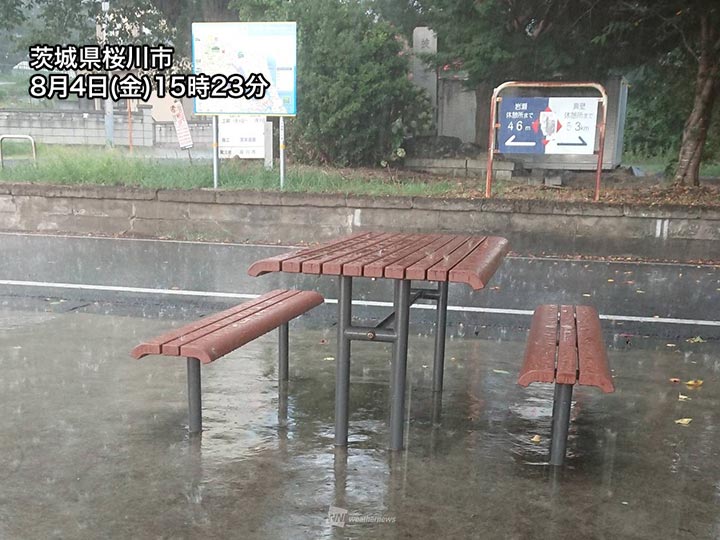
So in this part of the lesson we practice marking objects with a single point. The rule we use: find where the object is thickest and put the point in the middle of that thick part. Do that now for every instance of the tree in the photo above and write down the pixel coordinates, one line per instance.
(498, 40)
(692, 28)
(355, 102)
(131, 21)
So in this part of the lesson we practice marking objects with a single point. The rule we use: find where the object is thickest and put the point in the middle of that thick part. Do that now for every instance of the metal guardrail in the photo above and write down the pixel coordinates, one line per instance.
(21, 137)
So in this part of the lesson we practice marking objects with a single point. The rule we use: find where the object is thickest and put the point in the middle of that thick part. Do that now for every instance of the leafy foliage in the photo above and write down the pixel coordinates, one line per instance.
(355, 102)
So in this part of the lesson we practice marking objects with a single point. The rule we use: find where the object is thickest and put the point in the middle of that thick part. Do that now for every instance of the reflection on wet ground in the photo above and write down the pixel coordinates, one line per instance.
(95, 444)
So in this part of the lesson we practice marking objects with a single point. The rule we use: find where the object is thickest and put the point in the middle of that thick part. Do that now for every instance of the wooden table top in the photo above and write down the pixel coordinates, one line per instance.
(424, 257)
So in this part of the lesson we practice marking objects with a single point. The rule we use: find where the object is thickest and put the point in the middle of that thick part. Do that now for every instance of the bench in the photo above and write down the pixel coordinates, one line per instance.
(565, 346)
(212, 337)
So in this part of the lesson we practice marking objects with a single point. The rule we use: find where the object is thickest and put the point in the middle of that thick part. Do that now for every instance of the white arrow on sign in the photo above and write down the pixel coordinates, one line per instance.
(511, 142)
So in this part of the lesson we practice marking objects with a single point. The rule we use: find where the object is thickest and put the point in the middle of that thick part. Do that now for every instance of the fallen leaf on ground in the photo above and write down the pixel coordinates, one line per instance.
(501, 371)
(683, 421)
(696, 339)
(694, 383)
(683, 397)
(674, 379)
(536, 439)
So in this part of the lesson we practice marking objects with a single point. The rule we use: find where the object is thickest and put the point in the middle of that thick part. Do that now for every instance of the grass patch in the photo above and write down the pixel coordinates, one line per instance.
(70, 165)
(661, 164)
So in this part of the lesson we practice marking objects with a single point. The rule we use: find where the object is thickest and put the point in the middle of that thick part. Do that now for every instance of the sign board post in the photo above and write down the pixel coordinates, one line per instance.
(256, 60)
(282, 153)
(546, 125)
(215, 151)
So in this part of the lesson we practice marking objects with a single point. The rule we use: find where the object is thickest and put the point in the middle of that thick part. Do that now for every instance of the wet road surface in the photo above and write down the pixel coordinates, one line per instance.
(96, 446)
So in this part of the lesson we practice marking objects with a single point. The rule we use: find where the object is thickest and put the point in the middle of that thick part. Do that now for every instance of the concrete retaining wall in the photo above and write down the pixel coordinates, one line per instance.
(533, 227)
(88, 128)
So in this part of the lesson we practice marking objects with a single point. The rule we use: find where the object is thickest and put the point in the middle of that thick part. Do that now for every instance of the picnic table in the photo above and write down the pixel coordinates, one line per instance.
(403, 258)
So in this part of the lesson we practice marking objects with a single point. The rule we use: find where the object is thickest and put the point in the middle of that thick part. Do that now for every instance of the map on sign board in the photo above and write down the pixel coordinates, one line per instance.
(268, 49)
(562, 125)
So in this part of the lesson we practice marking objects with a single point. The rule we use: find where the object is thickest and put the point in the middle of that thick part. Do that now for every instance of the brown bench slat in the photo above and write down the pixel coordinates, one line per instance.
(594, 367)
(229, 338)
(539, 362)
(479, 266)
(567, 348)
(154, 346)
(172, 348)
(567, 353)
(219, 334)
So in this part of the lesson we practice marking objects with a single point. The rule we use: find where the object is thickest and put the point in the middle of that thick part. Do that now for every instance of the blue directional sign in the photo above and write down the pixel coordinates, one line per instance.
(547, 125)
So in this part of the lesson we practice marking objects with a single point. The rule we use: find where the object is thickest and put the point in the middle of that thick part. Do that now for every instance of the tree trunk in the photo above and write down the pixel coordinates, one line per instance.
(707, 87)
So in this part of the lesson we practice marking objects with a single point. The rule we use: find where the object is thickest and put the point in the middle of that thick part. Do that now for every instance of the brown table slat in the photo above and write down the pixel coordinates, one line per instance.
(315, 265)
(567, 355)
(154, 346)
(356, 267)
(594, 367)
(539, 361)
(424, 257)
(440, 270)
(274, 264)
(377, 267)
(419, 269)
(295, 264)
(479, 266)
(396, 270)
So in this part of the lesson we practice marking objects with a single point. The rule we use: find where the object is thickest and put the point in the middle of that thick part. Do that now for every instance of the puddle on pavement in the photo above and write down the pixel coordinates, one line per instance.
(96, 444)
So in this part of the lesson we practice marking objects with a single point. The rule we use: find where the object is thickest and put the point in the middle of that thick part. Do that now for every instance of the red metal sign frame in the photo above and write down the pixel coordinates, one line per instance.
(541, 84)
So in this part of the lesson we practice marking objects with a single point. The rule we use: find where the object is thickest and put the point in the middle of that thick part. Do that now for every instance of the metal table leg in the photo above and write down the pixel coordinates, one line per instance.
(399, 367)
(342, 363)
(439, 359)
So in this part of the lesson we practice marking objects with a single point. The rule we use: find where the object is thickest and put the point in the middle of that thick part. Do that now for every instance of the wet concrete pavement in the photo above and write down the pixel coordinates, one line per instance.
(95, 444)
(84, 268)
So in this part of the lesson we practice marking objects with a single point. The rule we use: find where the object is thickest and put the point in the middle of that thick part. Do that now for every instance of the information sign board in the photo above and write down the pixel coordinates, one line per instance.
(262, 52)
(547, 125)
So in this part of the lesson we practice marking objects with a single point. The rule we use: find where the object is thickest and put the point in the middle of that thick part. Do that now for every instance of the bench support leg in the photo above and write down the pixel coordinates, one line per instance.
(342, 366)
(560, 423)
(283, 352)
(399, 365)
(194, 395)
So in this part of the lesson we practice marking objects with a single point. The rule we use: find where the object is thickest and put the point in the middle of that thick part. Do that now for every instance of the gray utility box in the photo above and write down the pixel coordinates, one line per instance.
(617, 90)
